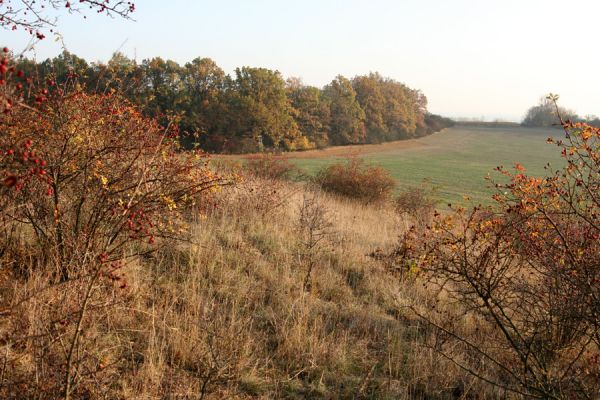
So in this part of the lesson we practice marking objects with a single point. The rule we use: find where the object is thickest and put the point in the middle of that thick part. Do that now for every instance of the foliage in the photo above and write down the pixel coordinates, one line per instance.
(357, 180)
(347, 117)
(312, 112)
(435, 123)
(254, 110)
(258, 111)
(370, 97)
(106, 184)
(110, 176)
(527, 272)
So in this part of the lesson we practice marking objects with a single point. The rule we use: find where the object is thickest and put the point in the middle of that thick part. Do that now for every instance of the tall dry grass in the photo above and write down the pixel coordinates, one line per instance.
(227, 314)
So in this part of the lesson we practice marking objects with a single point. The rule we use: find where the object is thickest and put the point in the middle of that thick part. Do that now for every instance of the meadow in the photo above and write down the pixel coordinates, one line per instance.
(454, 161)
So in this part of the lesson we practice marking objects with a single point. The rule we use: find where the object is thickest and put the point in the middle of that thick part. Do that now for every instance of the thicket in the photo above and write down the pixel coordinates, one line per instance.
(255, 109)
(356, 179)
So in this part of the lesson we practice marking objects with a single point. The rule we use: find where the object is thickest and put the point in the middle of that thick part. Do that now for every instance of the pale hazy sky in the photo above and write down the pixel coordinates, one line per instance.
(491, 58)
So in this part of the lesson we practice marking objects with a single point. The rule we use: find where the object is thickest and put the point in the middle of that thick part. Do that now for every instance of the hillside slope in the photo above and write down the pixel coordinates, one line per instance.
(232, 314)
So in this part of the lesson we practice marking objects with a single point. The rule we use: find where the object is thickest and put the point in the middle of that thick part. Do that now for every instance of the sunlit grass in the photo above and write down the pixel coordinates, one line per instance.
(456, 161)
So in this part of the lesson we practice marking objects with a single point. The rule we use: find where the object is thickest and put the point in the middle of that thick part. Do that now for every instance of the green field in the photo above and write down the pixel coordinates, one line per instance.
(457, 160)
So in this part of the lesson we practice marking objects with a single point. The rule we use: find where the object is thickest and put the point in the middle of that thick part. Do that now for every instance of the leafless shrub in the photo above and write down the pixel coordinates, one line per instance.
(417, 203)
(270, 166)
(315, 228)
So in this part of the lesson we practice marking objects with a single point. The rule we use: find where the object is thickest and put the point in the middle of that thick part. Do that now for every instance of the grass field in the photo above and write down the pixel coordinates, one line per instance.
(454, 161)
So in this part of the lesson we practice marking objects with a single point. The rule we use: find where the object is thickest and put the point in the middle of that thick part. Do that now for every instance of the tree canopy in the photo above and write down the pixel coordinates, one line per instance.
(254, 109)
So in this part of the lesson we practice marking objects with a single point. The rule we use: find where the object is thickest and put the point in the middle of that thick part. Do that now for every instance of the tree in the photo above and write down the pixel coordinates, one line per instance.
(347, 117)
(392, 110)
(373, 103)
(400, 116)
(162, 88)
(259, 112)
(545, 114)
(312, 112)
(204, 83)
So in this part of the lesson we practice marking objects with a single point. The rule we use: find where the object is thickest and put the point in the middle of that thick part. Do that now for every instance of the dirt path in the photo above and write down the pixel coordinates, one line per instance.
(346, 151)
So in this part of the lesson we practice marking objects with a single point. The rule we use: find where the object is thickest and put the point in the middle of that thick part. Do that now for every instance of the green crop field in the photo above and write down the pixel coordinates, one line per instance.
(456, 161)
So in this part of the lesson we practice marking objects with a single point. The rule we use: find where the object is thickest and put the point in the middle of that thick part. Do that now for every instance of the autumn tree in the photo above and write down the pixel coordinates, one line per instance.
(204, 82)
(260, 114)
(392, 110)
(371, 99)
(312, 112)
(401, 112)
(347, 116)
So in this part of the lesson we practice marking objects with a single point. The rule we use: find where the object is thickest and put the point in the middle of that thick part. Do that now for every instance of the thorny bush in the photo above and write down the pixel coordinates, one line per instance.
(89, 184)
(527, 273)
(102, 176)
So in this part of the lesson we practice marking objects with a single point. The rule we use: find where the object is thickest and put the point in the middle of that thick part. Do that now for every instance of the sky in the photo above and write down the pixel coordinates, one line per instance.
(471, 58)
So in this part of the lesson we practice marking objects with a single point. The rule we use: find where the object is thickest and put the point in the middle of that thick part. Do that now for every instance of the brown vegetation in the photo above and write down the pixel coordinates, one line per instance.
(525, 276)
(357, 180)
(229, 314)
(270, 166)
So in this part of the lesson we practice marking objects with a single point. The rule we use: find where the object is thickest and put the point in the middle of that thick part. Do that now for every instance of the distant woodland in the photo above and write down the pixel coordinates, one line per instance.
(255, 109)
(546, 113)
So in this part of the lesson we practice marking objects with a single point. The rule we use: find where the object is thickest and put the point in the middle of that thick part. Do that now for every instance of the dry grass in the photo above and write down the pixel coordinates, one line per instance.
(227, 316)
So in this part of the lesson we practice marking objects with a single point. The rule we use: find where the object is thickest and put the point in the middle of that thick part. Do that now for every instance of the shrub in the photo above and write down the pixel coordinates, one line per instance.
(357, 180)
(270, 167)
(104, 184)
(417, 203)
(106, 176)
(526, 274)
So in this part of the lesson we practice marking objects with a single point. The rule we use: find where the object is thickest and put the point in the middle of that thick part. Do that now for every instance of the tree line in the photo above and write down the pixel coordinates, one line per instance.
(254, 109)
